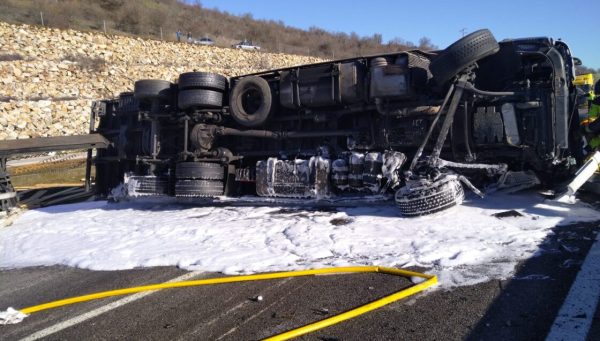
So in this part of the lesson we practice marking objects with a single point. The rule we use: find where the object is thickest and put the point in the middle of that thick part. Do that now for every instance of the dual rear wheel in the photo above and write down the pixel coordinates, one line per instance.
(199, 179)
(200, 90)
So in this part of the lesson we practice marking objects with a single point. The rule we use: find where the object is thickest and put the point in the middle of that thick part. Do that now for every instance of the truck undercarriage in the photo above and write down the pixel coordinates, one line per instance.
(417, 125)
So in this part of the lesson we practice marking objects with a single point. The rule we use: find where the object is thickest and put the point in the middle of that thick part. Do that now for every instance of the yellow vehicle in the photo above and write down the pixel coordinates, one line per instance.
(585, 87)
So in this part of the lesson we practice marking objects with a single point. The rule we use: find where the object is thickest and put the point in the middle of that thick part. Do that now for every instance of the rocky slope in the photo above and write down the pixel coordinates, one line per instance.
(48, 77)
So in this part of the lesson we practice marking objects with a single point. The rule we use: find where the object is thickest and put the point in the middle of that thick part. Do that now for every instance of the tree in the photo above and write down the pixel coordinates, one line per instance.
(425, 44)
(130, 19)
(148, 17)
(377, 38)
(111, 5)
(582, 70)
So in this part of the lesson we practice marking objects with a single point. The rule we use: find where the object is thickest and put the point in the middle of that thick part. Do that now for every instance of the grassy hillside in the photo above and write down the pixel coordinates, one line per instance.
(160, 19)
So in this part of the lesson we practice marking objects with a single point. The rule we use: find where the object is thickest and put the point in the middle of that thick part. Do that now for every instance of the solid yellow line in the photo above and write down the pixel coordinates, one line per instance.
(430, 280)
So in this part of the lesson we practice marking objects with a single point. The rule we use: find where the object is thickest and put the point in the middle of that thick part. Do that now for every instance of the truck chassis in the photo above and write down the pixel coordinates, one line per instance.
(419, 126)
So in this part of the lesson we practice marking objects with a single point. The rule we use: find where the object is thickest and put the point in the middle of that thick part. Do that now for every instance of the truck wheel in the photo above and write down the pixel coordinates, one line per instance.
(148, 89)
(198, 188)
(251, 101)
(463, 53)
(199, 98)
(200, 170)
(202, 80)
(147, 185)
(429, 197)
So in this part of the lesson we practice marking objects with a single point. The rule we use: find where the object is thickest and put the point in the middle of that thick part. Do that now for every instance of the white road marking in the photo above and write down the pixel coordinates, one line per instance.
(575, 316)
(194, 334)
(99, 311)
(281, 298)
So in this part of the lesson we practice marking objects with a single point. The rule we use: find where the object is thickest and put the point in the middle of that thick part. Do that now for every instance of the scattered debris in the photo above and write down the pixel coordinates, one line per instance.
(569, 263)
(321, 311)
(507, 214)
(570, 249)
(340, 221)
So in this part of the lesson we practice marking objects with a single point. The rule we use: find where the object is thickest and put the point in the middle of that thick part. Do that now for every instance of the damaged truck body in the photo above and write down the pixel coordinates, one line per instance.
(416, 126)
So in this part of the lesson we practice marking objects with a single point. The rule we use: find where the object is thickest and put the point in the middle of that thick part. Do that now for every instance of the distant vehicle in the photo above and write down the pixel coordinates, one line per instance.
(205, 41)
(246, 45)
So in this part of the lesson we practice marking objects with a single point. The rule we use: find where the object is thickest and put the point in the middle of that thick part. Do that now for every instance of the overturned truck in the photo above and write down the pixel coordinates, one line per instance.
(415, 125)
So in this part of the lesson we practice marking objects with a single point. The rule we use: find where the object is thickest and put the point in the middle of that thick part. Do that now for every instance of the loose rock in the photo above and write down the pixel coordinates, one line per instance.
(49, 91)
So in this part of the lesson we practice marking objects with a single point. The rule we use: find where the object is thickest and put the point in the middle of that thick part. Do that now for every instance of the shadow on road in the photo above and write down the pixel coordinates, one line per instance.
(525, 306)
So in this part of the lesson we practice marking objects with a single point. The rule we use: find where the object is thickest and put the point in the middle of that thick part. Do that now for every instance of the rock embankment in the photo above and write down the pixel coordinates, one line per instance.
(48, 77)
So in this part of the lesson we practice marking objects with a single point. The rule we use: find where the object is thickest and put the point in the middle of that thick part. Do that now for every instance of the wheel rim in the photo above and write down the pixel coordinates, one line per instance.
(251, 100)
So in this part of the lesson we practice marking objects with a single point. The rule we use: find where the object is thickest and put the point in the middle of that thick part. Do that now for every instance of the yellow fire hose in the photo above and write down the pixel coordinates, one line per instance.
(429, 281)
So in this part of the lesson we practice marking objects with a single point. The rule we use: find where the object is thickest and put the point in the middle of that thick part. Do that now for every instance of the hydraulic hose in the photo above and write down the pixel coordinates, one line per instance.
(429, 280)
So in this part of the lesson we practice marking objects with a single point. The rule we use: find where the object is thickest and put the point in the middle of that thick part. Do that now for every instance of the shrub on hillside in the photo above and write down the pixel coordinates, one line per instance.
(150, 18)
(9, 57)
(84, 62)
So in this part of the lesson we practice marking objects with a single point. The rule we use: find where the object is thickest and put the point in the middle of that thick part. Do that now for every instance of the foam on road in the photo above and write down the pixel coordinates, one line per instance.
(464, 245)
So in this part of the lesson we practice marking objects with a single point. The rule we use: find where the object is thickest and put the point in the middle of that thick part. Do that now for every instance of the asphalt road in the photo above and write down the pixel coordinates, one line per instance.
(521, 308)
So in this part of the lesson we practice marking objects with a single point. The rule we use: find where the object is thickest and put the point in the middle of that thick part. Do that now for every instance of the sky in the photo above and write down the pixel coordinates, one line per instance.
(573, 21)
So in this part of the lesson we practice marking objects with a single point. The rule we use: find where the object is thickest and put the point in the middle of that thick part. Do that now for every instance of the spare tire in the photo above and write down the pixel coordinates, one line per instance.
(148, 89)
(187, 99)
(426, 197)
(463, 53)
(251, 101)
(202, 80)
(200, 170)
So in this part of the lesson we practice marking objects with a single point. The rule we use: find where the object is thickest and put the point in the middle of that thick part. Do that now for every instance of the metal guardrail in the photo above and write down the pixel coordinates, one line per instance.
(51, 144)
(8, 148)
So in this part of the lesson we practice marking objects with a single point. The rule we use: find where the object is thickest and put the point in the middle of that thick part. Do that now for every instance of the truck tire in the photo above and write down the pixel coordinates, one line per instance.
(200, 170)
(148, 89)
(147, 185)
(431, 197)
(463, 53)
(196, 98)
(198, 188)
(251, 101)
(202, 80)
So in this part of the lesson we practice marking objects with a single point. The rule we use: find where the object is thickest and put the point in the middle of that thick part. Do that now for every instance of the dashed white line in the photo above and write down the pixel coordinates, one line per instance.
(574, 319)
(99, 311)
